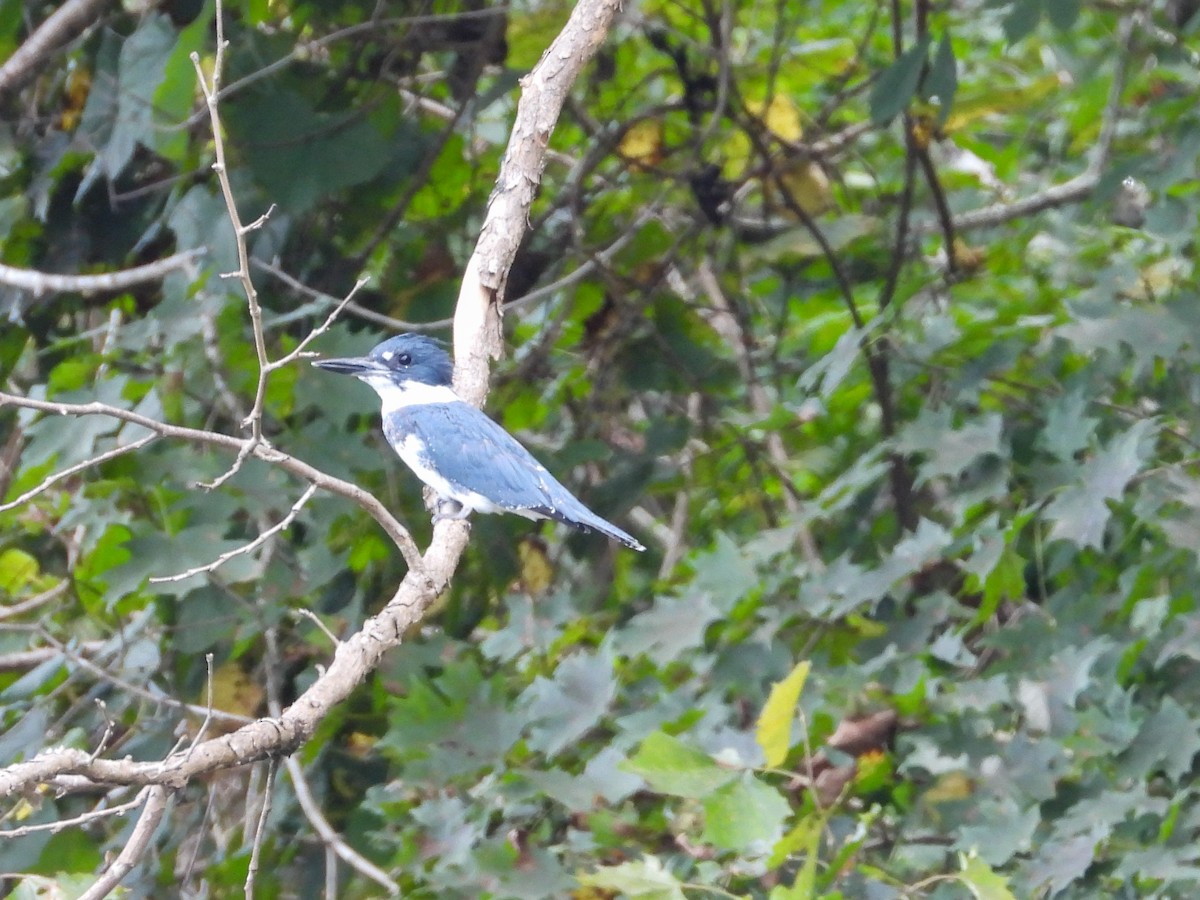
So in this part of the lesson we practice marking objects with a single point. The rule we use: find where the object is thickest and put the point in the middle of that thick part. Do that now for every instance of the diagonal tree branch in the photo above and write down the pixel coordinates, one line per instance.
(544, 91)
(62, 25)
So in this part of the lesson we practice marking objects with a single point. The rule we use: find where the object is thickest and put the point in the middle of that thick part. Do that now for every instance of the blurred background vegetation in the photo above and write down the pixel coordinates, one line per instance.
(876, 322)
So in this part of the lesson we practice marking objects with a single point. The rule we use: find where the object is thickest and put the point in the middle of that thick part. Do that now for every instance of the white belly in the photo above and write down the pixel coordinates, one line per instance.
(412, 451)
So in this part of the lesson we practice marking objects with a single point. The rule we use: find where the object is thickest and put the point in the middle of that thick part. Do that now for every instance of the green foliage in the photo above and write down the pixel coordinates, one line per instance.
(919, 616)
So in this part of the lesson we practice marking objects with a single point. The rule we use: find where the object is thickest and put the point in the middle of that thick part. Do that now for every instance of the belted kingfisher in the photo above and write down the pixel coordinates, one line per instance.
(472, 463)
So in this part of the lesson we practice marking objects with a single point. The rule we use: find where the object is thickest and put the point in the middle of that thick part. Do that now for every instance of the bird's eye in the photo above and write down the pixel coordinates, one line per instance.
(404, 359)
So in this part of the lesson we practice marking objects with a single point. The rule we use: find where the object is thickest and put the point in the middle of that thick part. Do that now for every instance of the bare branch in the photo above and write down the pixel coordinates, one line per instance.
(316, 620)
(47, 596)
(397, 532)
(211, 88)
(57, 648)
(332, 840)
(354, 309)
(82, 819)
(52, 480)
(544, 90)
(320, 329)
(267, 738)
(62, 25)
(156, 804)
(260, 830)
(245, 548)
(39, 283)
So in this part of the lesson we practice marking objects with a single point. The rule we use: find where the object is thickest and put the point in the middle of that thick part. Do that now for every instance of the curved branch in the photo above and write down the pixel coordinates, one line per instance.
(62, 25)
(39, 283)
(273, 737)
(260, 450)
(546, 88)
(156, 804)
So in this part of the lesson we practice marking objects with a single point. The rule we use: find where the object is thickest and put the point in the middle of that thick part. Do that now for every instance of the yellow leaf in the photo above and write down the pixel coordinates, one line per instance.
(360, 744)
(22, 810)
(536, 571)
(968, 110)
(808, 186)
(79, 84)
(950, 787)
(969, 259)
(642, 143)
(780, 116)
(775, 724)
(234, 692)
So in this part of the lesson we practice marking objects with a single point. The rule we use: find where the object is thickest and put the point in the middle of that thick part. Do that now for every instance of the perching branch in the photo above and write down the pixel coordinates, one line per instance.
(544, 90)
(355, 657)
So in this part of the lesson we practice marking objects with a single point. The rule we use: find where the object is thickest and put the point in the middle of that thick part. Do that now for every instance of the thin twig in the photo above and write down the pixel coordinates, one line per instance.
(82, 819)
(320, 329)
(102, 745)
(330, 837)
(390, 524)
(156, 804)
(87, 665)
(37, 600)
(210, 87)
(305, 613)
(200, 732)
(262, 538)
(260, 831)
(54, 479)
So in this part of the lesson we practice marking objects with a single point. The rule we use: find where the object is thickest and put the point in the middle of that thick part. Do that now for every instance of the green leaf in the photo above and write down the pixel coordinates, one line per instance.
(897, 83)
(566, 706)
(775, 723)
(645, 878)
(981, 881)
(1168, 740)
(1080, 512)
(745, 815)
(672, 767)
(17, 569)
(725, 574)
(1063, 14)
(668, 628)
(144, 57)
(1022, 19)
(173, 97)
(942, 80)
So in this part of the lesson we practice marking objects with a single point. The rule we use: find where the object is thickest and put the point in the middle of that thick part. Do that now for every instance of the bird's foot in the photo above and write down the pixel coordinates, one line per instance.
(449, 509)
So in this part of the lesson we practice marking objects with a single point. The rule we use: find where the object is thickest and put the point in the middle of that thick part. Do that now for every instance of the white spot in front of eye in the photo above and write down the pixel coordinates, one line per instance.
(387, 355)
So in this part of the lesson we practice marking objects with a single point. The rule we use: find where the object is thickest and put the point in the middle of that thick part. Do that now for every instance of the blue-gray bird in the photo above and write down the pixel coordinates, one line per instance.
(472, 463)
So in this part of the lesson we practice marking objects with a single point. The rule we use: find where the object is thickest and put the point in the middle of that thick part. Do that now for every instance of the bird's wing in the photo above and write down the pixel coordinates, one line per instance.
(476, 455)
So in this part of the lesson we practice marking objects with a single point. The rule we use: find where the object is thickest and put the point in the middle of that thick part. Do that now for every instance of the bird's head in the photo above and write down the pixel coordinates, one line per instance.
(400, 369)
